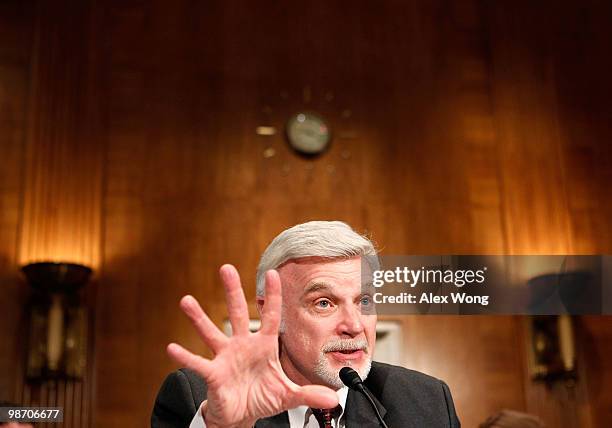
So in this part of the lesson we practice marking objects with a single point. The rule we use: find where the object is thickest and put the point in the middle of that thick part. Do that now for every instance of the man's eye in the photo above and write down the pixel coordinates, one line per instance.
(366, 301)
(323, 304)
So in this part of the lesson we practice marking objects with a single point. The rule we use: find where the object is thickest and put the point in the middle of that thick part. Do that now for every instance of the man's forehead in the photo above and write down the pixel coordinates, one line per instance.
(315, 263)
(305, 271)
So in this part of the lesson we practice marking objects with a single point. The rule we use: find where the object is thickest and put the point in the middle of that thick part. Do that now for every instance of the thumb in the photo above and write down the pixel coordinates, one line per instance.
(316, 396)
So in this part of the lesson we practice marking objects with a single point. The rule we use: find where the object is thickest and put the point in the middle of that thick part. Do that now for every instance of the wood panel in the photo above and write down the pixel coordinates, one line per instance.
(63, 156)
(51, 176)
(459, 127)
(16, 26)
(596, 341)
(480, 360)
(547, 145)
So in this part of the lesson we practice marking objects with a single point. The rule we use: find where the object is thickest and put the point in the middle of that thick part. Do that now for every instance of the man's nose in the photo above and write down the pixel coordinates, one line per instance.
(350, 322)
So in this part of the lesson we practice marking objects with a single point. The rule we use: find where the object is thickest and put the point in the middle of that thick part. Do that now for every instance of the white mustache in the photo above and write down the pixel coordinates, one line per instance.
(346, 345)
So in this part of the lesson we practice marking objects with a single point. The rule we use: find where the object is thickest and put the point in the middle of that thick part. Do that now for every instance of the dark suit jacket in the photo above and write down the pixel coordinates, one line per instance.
(405, 399)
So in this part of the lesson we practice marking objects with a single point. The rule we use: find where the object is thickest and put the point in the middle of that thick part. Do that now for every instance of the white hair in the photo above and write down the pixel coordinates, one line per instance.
(328, 239)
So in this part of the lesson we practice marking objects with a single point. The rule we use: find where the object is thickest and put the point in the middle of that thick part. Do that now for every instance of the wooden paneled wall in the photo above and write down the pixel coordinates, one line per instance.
(51, 175)
(16, 27)
(128, 143)
(62, 178)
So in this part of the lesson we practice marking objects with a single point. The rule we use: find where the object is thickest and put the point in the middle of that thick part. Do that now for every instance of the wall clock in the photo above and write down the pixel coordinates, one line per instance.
(308, 133)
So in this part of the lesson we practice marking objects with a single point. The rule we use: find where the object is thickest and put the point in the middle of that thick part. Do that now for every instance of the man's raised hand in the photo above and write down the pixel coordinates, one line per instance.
(245, 379)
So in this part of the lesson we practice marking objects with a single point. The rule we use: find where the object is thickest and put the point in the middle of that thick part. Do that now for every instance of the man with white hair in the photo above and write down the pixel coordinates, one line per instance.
(316, 319)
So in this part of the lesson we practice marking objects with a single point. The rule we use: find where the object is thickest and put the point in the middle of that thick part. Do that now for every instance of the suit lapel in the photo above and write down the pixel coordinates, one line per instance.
(359, 412)
(278, 421)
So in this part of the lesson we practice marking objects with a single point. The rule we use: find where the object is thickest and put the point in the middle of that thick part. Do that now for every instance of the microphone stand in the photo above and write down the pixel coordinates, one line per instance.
(352, 379)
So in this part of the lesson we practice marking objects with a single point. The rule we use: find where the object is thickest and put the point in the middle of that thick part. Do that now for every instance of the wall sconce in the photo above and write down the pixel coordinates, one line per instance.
(550, 338)
(57, 342)
(551, 349)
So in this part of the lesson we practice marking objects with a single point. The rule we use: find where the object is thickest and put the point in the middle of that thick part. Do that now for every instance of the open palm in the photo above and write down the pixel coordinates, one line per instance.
(245, 379)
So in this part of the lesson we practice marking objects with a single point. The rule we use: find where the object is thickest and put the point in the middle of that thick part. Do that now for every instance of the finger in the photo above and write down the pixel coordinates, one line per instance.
(200, 365)
(271, 312)
(208, 331)
(315, 396)
(236, 303)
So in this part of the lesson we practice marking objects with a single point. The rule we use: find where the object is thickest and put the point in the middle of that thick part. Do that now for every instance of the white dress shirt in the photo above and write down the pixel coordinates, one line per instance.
(299, 417)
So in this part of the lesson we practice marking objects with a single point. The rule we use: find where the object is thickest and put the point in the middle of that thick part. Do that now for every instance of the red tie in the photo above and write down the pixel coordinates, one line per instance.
(324, 417)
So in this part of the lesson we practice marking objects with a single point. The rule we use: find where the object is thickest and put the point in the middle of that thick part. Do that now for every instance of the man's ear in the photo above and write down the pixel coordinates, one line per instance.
(260, 302)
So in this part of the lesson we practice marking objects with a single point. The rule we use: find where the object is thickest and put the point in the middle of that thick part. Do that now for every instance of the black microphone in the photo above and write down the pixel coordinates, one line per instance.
(351, 378)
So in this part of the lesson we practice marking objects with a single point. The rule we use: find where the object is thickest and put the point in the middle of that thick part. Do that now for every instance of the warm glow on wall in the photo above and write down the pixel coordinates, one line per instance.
(75, 240)
(59, 251)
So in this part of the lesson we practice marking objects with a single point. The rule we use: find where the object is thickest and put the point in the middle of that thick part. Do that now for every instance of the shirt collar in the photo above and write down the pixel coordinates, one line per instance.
(297, 415)
(342, 394)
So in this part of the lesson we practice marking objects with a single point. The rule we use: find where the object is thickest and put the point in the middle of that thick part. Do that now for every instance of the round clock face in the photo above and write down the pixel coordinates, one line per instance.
(308, 133)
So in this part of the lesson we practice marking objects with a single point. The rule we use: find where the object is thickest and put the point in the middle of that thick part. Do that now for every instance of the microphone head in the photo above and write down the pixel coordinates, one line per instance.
(350, 378)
